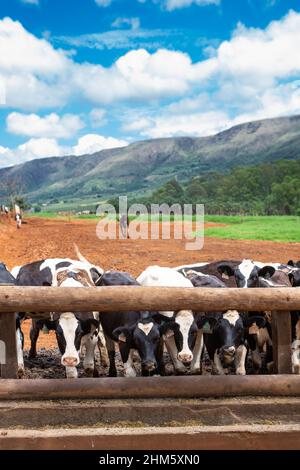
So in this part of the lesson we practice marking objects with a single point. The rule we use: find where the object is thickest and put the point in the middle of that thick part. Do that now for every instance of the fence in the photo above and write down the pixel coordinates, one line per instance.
(48, 299)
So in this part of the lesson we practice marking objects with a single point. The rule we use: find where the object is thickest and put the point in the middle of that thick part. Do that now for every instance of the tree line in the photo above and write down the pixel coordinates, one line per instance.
(266, 189)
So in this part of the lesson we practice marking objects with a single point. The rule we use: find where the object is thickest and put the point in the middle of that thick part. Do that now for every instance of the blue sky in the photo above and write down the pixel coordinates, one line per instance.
(77, 76)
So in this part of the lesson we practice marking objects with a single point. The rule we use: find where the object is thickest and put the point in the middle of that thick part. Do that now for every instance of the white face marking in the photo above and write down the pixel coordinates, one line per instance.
(185, 318)
(146, 328)
(246, 268)
(231, 316)
(69, 324)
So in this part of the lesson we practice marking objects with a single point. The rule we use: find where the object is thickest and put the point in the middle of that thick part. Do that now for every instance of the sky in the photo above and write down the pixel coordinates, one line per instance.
(79, 76)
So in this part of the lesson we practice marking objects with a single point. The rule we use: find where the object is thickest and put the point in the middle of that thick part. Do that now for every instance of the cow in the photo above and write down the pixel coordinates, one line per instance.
(234, 273)
(183, 340)
(262, 340)
(6, 278)
(74, 329)
(225, 338)
(132, 330)
(50, 272)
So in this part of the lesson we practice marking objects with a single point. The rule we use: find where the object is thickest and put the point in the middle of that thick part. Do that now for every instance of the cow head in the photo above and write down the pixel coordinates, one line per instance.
(246, 273)
(184, 329)
(229, 330)
(72, 326)
(144, 336)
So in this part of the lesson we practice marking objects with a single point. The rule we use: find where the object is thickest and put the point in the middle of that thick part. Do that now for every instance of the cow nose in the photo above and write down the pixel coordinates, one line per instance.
(149, 365)
(229, 351)
(70, 361)
(186, 358)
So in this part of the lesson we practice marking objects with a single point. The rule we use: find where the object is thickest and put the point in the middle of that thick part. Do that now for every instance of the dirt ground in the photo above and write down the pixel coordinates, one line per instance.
(43, 238)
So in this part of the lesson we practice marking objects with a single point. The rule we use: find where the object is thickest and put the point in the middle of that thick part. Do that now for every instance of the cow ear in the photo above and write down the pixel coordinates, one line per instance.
(266, 272)
(122, 334)
(159, 318)
(291, 278)
(207, 324)
(291, 263)
(226, 270)
(260, 321)
(168, 329)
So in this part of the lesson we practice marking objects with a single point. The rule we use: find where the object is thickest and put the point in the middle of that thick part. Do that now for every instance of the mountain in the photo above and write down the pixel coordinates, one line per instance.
(144, 165)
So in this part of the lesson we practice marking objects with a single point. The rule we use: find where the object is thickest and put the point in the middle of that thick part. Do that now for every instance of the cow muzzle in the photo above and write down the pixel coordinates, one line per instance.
(227, 355)
(186, 358)
(70, 361)
(149, 366)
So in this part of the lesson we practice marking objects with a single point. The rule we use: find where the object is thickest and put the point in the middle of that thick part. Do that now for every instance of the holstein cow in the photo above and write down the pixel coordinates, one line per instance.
(75, 329)
(133, 330)
(182, 338)
(210, 269)
(243, 273)
(224, 333)
(225, 337)
(50, 272)
(6, 278)
(262, 340)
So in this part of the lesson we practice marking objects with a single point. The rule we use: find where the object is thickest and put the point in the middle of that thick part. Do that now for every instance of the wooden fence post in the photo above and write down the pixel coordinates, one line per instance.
(281, 339)
(8, 338)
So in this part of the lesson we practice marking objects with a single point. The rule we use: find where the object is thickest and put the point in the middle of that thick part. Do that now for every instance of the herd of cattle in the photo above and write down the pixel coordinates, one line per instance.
(228, 336)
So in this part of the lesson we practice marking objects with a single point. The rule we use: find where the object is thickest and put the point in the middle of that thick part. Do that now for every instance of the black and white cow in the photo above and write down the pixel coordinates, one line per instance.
(243, 273)
(210, 269)
(133, 330)
(247, 273)
(72, 329)
(225, 338)
(6, 278)
(183, 340)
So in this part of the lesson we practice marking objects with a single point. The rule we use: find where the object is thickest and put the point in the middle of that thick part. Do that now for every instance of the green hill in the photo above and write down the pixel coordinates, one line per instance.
(146, 165)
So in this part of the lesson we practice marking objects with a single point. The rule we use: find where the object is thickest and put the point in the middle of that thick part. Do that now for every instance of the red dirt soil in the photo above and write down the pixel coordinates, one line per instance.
(44, 238)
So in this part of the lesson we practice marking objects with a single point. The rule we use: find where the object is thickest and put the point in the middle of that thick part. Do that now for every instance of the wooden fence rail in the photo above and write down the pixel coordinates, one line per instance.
(110, 299)
(121, 298)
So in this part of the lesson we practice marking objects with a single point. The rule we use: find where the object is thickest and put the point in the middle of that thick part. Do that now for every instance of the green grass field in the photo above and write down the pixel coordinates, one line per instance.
(273, 228)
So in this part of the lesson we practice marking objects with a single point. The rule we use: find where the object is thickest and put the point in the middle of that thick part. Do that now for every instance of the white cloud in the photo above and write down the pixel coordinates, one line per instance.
(133, 23)
(34, 74)
(174, 4)
(3, 149)
(52, 125)
(103, 3)
(33, 148)
(168, 125)
(97, 117)
(92, 143)
(43, 148)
